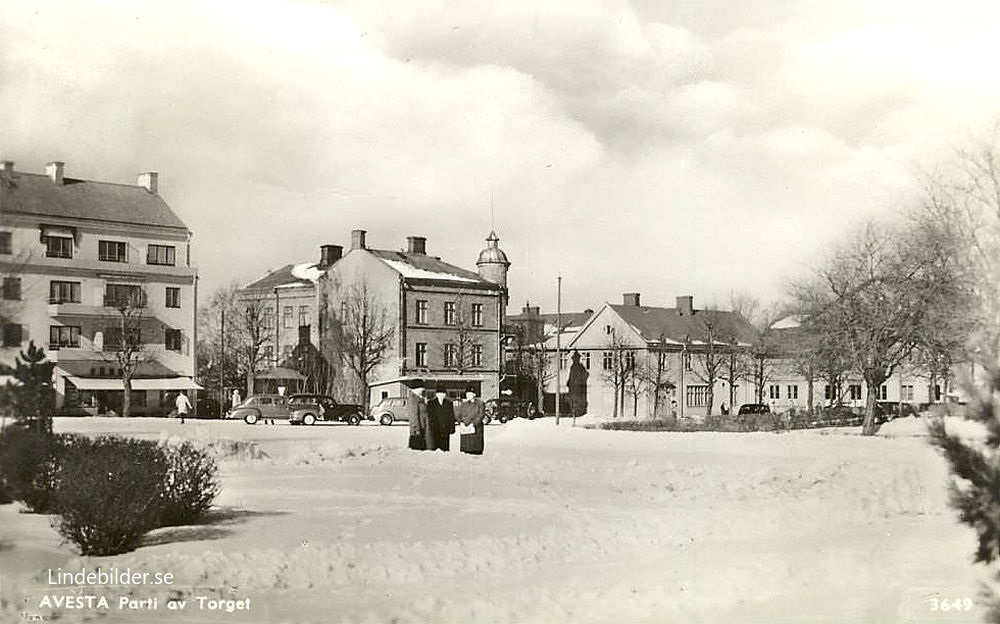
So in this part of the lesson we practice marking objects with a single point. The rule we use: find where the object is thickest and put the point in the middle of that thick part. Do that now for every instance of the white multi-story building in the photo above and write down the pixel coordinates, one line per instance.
(70, 249)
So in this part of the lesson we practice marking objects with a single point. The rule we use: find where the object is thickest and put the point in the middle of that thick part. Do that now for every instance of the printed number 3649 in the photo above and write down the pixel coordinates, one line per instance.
(943, 604)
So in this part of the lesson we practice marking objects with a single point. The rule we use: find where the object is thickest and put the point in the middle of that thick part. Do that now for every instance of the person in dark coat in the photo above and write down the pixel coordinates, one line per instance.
(470, 414)
(421, 433)
(441, 417)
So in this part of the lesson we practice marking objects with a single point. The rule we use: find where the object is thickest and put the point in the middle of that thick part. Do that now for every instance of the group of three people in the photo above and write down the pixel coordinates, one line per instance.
(432, 422)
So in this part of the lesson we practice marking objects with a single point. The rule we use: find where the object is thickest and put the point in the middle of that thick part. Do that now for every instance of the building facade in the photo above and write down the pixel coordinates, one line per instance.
(445, 320)
(74, 254)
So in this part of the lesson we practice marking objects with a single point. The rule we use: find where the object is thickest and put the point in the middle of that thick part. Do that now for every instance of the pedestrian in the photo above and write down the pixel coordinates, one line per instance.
(183, 406)
(421, 434)
(470, 414)
(441, 417)
(237, 399)
(724, 409)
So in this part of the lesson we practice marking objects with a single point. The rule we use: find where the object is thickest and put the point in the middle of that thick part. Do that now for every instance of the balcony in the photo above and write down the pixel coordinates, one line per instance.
(63, 308)
(121, 301)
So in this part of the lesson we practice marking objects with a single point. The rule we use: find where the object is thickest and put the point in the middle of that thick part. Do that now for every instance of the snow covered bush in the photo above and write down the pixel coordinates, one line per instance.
(27, 466)
(109, 492)
(190, 483)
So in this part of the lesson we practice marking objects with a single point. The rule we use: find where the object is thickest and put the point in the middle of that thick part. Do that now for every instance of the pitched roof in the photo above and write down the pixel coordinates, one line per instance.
(288, 276)
(569, 319)
(36, 194)
(421, 268)
(652, 322)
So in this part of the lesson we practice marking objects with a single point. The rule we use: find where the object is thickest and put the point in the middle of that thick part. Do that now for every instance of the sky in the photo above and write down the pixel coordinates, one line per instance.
(668, 148)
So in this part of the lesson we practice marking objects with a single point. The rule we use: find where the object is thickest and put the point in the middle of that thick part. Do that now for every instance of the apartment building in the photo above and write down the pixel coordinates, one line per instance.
(74, 253)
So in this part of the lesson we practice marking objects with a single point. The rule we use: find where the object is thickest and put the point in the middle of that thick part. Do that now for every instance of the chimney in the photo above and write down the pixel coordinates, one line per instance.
(328, 254)
(55, 171)
(358, 239)
(685, 305)
(630, 300)
(148, 181)
(416, 245)
(7, 166)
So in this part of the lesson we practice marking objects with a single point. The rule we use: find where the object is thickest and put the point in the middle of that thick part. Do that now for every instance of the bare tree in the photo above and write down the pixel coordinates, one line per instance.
(714, 354)
(876, 299)
(363, 332)
(621, 370)
(461, 354)
(654, 375)
(124, 339)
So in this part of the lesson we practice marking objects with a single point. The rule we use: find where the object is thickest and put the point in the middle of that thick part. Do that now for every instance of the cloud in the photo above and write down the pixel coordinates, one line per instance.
(640, 145)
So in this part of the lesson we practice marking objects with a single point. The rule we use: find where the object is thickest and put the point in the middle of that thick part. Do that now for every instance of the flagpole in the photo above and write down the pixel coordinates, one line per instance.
(558, 345)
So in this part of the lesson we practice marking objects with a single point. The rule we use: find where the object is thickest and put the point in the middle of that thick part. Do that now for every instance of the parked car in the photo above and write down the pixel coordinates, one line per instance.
(506, 408)
(754, 408)
(259, 407)
(755, 416)
(306, 409)
(887, 410)
(392, 409)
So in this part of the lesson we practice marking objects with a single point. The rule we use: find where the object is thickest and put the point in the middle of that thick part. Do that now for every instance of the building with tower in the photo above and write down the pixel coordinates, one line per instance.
(445, 321)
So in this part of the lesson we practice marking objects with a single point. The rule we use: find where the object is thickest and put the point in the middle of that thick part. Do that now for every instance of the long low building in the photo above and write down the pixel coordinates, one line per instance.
(77, 256)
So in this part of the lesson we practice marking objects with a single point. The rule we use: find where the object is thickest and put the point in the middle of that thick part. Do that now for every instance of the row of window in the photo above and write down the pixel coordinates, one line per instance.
(107, 250)
(114, 294)
(451, 313)
(451, 354)
(287, 317)
(68, 337)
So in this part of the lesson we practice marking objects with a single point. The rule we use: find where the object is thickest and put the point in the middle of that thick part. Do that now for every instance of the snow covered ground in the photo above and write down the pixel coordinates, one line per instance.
(333, 523)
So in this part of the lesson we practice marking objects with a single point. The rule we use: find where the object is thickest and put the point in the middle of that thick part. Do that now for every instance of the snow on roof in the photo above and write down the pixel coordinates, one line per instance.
(410, 271)
(307, 271)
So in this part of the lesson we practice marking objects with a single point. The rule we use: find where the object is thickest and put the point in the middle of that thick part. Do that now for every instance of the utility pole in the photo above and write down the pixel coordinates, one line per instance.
(558, 345)
(222, 363)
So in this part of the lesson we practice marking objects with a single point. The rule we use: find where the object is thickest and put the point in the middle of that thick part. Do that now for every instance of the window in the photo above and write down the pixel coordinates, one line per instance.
(173, 297)
(793, 392)
(585, 359)
(12, 288)
(855, 390)
(343, 311)
(607, 360)
(697, 396)
(161, 254)
(421, 354)
(562, 360)
(267, 316)
(13, 335)
(450, 354)
(111, 251)
(907, 393)
(687, 361)
(421, 312)
(173, 339)
(58, 247)
(883, 392)
(608, 330)
(268, 353)
(937, 392)
(303, 316)
(63, 336)
(113, 338)
(6, 244)
(630, 360)
(774, 391)
(827, 392)
(288, 317)
(64, 292)
(449, 312)
(477, 315)
(121, 295)
(286, 351)
(477, 355)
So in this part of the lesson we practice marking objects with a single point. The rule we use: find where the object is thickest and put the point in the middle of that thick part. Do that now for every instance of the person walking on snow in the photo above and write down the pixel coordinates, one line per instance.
(183, 406)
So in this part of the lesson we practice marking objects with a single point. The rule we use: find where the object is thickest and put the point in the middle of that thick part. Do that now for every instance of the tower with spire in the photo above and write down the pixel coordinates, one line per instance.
(493, 265)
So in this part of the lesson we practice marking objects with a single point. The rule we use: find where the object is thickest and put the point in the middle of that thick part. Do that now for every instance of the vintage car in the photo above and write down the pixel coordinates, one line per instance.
(307, 409)
(503, 409)
(391, 409)
(261, 407)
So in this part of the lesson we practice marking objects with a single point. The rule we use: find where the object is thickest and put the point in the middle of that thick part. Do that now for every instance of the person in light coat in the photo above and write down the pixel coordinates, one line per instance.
(470, 414)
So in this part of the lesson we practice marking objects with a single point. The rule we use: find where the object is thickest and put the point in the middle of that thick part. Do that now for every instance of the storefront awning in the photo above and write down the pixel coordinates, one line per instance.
(165, 383)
